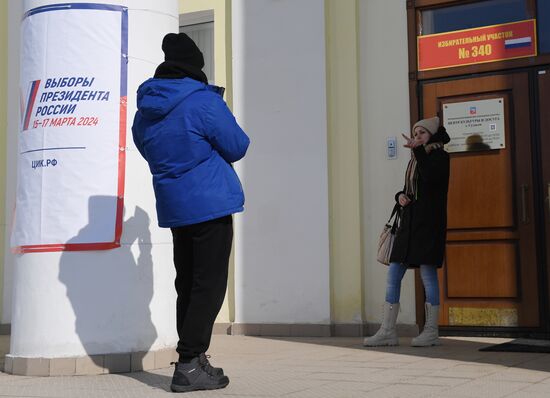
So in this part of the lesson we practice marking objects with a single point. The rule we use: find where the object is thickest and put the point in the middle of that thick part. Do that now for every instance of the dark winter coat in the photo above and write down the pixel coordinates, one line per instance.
(420, 239)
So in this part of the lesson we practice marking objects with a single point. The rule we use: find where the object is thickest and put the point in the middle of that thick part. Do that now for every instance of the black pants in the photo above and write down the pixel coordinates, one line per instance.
(201, 257)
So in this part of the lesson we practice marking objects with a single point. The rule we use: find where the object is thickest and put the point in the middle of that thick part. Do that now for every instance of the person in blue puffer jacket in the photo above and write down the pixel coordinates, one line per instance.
(189, 137)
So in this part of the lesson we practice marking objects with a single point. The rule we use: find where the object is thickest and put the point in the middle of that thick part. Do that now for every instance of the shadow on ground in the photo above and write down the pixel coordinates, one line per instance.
(154, 380)
(464, 349)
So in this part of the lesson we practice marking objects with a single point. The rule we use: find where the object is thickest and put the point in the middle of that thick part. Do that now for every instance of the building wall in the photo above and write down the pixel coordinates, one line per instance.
(384, 113)
(282, 240)
(222, 38)
(3, 135)
(223, 73)
(342, 30)
(366, 102)
(366, 92)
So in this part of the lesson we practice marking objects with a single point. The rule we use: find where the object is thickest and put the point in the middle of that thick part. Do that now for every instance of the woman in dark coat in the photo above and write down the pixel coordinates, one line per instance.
(420, 239)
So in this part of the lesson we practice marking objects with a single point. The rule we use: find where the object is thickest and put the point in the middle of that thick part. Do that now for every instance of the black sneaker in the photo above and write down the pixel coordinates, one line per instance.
(192, 377)
(203, 358)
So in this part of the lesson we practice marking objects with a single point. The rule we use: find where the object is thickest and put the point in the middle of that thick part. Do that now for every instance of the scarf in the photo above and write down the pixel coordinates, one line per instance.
(411, 175)
(179, 70)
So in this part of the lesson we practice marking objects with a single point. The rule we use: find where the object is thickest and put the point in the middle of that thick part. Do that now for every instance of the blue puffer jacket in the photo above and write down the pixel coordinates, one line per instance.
(189, 137)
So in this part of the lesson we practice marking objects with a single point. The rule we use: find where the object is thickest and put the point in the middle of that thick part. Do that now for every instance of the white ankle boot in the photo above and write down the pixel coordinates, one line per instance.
(387, 334)
(430, 333)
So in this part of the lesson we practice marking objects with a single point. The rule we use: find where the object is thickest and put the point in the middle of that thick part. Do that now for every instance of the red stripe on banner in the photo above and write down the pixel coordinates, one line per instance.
(64, 247)
(121, 169)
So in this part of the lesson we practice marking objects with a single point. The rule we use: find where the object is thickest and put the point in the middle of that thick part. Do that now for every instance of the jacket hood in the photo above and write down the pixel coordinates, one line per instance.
(157, 97)
(440, 136)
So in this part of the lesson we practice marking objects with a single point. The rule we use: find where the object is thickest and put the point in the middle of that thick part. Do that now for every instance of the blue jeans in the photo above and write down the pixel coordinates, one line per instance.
(429, 279)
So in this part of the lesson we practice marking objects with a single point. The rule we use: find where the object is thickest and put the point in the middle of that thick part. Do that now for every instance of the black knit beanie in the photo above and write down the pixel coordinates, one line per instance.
(179, 47)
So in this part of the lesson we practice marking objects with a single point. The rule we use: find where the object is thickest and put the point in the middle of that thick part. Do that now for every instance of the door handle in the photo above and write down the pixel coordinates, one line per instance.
(524, 188)
(548, 196)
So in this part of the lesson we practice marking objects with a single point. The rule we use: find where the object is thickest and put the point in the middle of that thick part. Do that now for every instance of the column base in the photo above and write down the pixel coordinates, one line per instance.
(90, 365)
(140, 361)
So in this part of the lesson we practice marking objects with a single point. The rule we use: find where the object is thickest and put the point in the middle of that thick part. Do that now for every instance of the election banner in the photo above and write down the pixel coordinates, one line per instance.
(72, 138)
(477, 46)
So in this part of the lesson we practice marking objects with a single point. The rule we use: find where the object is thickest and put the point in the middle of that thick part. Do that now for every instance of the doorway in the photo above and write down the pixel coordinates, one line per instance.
(494, 280)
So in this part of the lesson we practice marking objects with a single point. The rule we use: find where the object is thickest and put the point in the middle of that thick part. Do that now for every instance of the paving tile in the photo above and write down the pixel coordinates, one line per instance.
(509, 358)
(528, 394)
(438, 381)
(540, 363)
(521, 375)
(471, 371)
(538, 388)
(315, 367)
(472, 375)
(485, 388)
(362, 356)
(266, 376)
(381, 376)
(258, 386)
(338, 389)
(432, 364)
(405, 390)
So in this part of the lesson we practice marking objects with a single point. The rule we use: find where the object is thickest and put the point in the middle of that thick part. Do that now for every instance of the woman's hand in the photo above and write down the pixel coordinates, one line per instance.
(404, 200)
(411, 143)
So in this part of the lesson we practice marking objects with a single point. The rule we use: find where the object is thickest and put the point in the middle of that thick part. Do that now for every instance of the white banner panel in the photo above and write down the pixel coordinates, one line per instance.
(73, 128)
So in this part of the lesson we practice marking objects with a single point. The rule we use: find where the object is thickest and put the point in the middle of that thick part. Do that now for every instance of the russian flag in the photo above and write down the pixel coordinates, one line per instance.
(515, 43)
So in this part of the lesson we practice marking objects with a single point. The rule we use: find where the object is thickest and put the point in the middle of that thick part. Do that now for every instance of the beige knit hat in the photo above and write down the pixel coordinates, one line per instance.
(431, 124)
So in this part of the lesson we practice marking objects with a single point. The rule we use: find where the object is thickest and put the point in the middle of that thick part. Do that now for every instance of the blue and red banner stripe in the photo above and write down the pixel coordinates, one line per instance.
(30, 103)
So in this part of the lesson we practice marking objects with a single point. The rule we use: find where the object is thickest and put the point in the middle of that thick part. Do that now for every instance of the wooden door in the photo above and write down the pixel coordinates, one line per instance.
(490, 274)
(543, 83)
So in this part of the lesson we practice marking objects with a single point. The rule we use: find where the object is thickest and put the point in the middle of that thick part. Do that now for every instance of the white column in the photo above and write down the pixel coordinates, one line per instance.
(72, 304)
(15, 11)
(282, 244)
